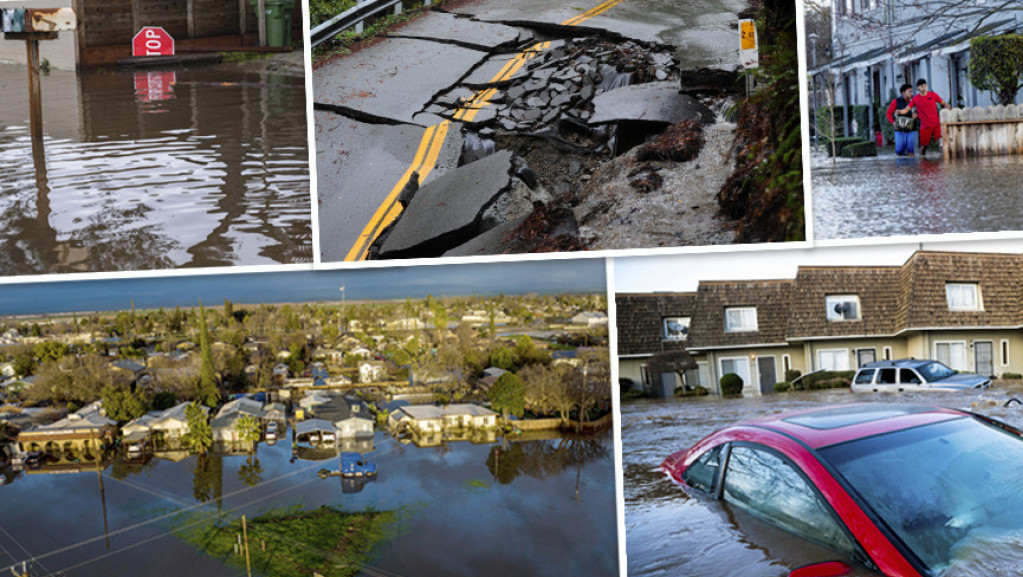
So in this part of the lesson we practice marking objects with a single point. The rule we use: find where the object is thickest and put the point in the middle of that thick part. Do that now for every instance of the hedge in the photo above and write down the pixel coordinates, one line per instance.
(860, 149)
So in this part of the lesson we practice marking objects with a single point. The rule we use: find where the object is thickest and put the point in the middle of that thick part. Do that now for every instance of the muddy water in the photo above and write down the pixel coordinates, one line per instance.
(461, 511)
(204, 166)
(886, 196)
(671, 533)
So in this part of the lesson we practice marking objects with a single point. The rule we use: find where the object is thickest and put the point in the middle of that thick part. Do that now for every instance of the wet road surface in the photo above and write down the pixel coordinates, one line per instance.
(195, 167)
(888, 196)
(669, 532)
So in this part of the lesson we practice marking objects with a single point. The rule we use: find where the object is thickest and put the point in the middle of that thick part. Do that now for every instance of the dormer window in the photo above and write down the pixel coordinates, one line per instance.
(740, 319)
(675, 328)
(963, 297)
(842, 307)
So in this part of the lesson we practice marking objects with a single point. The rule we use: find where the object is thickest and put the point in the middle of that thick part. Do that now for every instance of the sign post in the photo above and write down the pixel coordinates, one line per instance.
(152, 41)
(749, 56)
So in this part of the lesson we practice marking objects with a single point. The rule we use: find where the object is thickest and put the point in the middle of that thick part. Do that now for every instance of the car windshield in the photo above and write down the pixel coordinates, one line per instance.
(935, 371)
(944, 489)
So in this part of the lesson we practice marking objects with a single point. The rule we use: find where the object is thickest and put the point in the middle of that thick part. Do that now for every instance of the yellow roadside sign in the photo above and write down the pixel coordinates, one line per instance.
(748, 56)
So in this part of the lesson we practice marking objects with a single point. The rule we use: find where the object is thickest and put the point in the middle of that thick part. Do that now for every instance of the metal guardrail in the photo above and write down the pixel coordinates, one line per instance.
(355, 17)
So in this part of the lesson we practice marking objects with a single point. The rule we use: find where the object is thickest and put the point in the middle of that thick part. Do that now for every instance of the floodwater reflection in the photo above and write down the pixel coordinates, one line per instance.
(672, 532)
(888, 196)
(548, 511)
(162, 169)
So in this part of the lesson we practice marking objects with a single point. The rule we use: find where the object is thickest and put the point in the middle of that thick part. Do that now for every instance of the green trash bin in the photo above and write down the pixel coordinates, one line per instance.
(278, 20)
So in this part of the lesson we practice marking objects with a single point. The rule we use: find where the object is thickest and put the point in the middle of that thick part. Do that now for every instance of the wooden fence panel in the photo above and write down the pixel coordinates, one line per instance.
(982, 131)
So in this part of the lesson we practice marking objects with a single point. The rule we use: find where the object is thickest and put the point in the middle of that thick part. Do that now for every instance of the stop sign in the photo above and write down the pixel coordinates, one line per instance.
(152, 41)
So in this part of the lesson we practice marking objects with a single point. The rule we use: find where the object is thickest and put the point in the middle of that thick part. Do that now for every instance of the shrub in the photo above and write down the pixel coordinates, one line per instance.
(625, 385)
(731, 385)
(827, 380)
(1012, 376)
(841, 143)
(782, 387)
(633, 394)
(792, 374)
(694, 392)
(860, 149)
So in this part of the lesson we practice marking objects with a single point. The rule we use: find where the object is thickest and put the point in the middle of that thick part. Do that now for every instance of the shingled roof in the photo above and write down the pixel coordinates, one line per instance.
(999, 277)
(878, 289)
(639, 321)
(772, 300)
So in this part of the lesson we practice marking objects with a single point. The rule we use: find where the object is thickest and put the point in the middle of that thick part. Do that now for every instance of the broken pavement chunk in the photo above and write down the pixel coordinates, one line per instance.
(445, 212)
(652, 102)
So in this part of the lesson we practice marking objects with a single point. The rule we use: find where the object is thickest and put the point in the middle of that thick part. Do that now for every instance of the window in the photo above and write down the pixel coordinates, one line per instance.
(909, 376)
(887, 353)
(1005, 353)
(842, 308)
(675, 328)
(833, 359)
(886, 377)
(865, 376)
(864, 356)
(769, 487)
(703, 473)
(963, 297)
(952, 354)
(740, 319)
(737, 365)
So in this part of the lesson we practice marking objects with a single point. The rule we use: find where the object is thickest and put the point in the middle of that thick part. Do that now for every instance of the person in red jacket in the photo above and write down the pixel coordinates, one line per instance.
(926, 104)
(905, 128)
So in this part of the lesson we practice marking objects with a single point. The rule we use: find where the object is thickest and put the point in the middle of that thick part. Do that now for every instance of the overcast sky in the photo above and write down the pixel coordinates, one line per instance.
(552, 276)
(684, 272)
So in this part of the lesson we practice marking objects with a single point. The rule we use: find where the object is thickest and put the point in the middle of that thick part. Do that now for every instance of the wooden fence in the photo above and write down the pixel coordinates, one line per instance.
(982, 131)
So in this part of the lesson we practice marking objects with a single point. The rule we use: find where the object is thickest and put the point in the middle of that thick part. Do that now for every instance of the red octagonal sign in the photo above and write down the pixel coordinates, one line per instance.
(152, 41)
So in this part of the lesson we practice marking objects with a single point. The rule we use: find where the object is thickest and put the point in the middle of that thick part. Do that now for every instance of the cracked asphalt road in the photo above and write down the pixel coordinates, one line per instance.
(381, 118)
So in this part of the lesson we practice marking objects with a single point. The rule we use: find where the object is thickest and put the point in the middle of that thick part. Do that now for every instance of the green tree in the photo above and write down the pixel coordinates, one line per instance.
(502, 358)
(248, 429)
(508, 395)
(206, 392)
(50, 351)
(199, 437)
(996, 64)
(122, 405)
(24, 365)
(163, 400)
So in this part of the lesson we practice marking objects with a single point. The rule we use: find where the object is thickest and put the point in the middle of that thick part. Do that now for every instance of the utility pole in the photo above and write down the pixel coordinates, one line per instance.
(245, 537)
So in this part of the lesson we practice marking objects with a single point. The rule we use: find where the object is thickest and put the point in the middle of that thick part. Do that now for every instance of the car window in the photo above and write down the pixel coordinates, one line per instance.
(909, 376)
(936, 371)
(703, 473)
(865, 376)
(886, 377)
(769, 487)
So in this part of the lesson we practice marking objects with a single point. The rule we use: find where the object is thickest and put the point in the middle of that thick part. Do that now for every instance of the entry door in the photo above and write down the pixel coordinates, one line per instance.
(864, 356)
(768, 374)
(984, 357)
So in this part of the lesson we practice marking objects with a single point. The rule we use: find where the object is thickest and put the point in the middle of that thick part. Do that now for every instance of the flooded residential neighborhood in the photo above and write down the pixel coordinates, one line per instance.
(425, 435)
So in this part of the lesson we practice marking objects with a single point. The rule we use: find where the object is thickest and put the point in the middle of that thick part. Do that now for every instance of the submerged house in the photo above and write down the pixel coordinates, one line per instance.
(433, 419)
(160, 426)
(963, 309)
(84, 435)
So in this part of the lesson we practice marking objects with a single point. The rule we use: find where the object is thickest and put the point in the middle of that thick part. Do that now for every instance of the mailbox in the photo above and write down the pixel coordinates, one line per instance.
(13, 19)
(18, 20)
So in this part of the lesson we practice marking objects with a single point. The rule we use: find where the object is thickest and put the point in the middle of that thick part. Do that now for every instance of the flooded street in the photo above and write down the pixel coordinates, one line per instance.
(147, 169)
(887, 196)
(461, 509)
(669, 532)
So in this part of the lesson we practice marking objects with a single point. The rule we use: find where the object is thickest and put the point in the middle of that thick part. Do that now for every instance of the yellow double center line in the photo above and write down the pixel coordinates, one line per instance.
(433, 139)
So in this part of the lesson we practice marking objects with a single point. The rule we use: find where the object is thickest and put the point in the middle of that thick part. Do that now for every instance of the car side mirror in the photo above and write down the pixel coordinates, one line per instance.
(825, 569)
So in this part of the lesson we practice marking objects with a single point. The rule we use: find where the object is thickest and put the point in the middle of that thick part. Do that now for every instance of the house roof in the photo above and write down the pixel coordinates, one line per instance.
(426, 412)
(772, 300)
(312, 425)
(893, 299)
(639, 321)
(878, 289)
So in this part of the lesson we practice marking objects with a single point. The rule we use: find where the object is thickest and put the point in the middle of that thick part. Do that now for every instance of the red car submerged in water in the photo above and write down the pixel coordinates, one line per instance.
(902, 490)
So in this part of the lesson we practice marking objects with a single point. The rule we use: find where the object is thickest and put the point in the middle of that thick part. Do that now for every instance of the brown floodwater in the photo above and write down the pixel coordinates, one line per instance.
(154, 169)
(671, 532)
